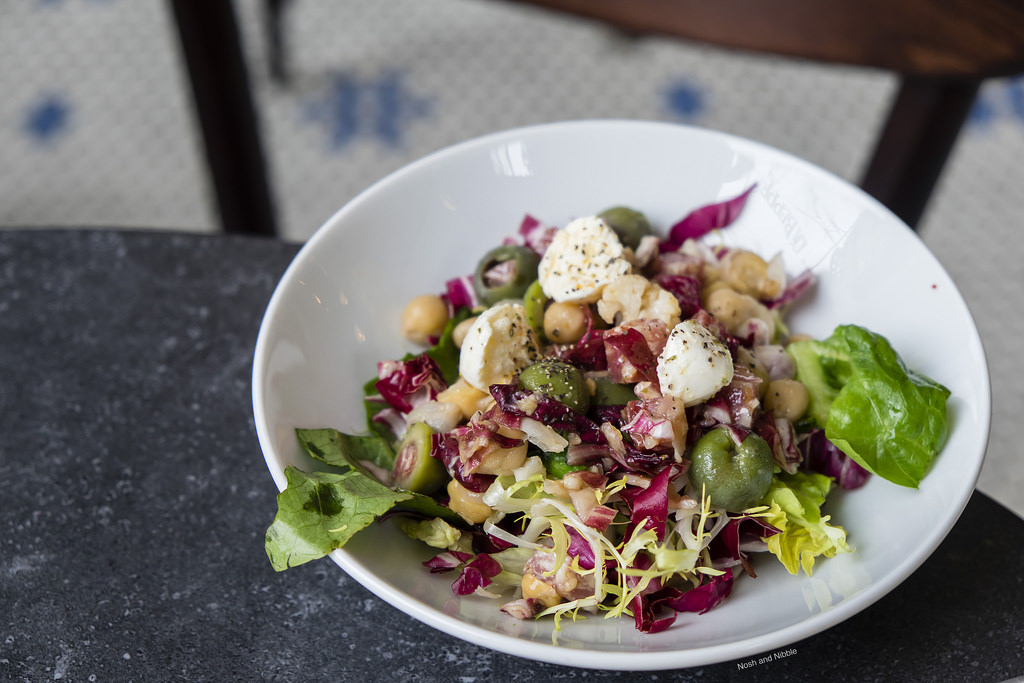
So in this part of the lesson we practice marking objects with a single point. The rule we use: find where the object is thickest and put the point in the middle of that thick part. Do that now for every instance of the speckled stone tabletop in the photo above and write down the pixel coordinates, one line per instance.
(134, 500)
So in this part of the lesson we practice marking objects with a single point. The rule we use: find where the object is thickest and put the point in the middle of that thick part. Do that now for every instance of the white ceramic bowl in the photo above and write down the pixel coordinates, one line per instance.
(335, 314)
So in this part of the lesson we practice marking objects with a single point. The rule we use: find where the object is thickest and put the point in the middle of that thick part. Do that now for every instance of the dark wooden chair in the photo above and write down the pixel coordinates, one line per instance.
(941, 51)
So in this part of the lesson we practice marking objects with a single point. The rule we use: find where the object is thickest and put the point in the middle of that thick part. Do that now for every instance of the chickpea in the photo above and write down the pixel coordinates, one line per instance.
(744, 270)
(468, 398)
(747, 273)
(467, 504)
(713, 287)
(503, 460)
(787, 398)
(565, 322)
(424, 317)
(461, 330)
(545, 593)
(733, 309)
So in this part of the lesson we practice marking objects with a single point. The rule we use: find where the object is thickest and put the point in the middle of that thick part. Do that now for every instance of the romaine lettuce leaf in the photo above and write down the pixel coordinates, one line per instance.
(890, 420)
(794, 508)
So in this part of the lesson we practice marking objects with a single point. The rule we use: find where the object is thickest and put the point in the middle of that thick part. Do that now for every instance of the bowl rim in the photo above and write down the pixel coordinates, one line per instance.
(589, 658)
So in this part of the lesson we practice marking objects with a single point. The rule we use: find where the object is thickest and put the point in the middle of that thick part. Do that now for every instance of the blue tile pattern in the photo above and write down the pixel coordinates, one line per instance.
(350, 108)
(47, 118)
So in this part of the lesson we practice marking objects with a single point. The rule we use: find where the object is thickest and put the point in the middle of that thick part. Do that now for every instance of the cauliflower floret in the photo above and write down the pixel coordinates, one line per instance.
(634, 297)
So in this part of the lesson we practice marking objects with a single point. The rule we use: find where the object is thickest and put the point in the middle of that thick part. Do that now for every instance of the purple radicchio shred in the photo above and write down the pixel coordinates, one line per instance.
(580, 549)
(736, 404)
(609, 414)
(634, 460)
(701, 599)
(588, 353)
(822, 456)
(459, 294)
(781, 436)
(445, 447)
(500, 274)
(795, 288)
(656, 612)
(685, 289)
(739, 531)
(548, 411)
(447, 561)
(629, 356)
(477, 573)
(703, 220)
(535, 235)
(649, 506)
(406, 383)
(644, 610)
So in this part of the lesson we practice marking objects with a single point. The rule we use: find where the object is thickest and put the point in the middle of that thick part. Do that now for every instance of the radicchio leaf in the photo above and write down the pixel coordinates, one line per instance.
(703, 220)
(822, 456)
(685, 289)
(629, 356)
(794, 289)
(447, 561)
(406, 383)
(580, 549)
(445, 447)
(459, 294)
(535, 235)
(545, 410)
(649, 506)
(738, 532)
(704, 597)
(476, 574)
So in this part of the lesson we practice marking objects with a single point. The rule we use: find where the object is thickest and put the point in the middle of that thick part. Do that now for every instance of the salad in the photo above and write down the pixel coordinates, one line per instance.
(607, 421)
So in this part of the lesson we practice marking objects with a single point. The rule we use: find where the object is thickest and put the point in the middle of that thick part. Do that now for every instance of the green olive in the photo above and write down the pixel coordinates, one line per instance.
(561, 381)
(535, 301)
(415, 469)
(734, 477)
(630, 225)
(609, 393)
(493, 283)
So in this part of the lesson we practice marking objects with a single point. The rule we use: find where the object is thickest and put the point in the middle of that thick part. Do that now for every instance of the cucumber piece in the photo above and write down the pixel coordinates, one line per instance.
(415, 469)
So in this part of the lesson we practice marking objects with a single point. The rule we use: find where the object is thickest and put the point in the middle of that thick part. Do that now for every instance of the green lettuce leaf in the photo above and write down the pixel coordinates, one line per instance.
(794, 508)
(320, 511)
(345, 450)
(436, 533)
(890, 420)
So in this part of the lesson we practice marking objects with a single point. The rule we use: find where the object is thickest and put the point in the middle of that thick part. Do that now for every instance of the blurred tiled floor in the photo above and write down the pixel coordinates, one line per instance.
(96, 127)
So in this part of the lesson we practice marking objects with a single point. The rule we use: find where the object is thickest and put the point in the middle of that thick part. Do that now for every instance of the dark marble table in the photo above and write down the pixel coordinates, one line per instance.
(134, 500)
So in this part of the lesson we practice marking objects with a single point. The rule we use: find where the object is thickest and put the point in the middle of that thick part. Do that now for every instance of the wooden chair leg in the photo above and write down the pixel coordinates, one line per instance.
(923, 124)
(212, 48)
